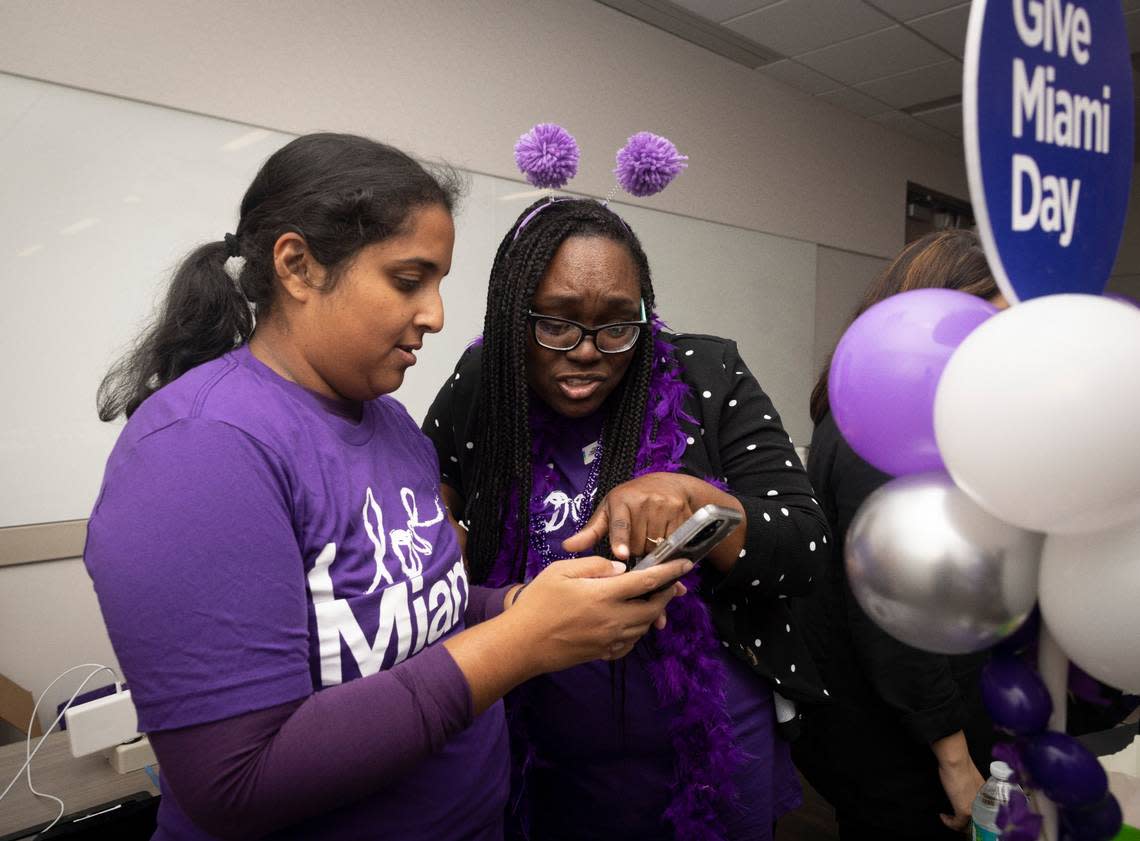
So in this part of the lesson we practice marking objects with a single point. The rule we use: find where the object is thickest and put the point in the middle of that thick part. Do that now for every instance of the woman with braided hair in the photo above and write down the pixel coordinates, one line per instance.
(580, 424)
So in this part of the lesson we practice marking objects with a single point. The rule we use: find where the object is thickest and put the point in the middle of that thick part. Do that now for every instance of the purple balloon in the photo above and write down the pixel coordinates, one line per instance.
(1098, 823)
(886, 369)
(1065, 770)
(1015, 696)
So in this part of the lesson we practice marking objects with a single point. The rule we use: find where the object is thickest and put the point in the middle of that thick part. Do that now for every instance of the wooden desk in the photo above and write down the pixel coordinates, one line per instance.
(79, 783)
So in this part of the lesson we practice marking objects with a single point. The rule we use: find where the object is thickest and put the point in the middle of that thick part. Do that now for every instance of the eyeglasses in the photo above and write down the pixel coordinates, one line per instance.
(564, 335)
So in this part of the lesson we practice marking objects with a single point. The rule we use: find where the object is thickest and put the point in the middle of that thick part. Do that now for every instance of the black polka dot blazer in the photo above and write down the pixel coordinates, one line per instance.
(738, 439)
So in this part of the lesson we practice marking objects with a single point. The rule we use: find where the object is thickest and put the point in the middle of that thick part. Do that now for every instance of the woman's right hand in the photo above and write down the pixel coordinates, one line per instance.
(574, 611)
(584, 609)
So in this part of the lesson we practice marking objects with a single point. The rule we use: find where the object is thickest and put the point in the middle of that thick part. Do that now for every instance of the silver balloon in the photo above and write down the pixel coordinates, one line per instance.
(936, 571)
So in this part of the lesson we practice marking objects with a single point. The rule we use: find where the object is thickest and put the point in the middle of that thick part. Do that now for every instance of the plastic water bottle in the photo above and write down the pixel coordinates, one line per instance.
(993, 795)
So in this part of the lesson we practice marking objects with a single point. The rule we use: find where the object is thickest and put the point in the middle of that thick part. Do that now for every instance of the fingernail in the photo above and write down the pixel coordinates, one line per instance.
(622, 549)
(688, 565)
(619, 567)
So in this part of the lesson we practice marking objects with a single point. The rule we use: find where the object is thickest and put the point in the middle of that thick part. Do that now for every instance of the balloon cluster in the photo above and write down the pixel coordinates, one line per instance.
(1012, 437)
(1054, 763)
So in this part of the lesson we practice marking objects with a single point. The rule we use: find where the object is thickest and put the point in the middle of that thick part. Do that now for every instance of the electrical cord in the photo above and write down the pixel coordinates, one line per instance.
(30, 754)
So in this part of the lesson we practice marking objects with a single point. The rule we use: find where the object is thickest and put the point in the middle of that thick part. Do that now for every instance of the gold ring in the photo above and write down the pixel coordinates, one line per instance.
(654, 540)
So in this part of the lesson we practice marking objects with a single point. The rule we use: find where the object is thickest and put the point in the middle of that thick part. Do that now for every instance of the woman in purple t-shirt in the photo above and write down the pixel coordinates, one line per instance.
(282, 586)
(579, 421)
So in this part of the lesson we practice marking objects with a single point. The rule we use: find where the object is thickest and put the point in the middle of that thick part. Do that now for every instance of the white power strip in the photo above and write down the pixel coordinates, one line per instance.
(102, 723)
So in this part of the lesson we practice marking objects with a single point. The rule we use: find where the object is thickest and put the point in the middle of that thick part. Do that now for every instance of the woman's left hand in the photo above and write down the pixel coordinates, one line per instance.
(638, 513)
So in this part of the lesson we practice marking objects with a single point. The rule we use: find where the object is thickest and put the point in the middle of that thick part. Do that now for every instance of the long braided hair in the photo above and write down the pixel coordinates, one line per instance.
(501, 486)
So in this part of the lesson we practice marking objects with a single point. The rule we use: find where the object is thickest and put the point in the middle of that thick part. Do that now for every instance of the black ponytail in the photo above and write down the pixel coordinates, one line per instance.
(339, 191)
(204, 316)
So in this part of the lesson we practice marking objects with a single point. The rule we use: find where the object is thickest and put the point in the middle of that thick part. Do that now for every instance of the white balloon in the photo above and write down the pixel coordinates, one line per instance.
(1088, 594)
(1036, 414)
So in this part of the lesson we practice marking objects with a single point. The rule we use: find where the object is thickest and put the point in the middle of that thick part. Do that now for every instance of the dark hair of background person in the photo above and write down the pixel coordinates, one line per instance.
(504, 439)
(951, 259)
(341, 192)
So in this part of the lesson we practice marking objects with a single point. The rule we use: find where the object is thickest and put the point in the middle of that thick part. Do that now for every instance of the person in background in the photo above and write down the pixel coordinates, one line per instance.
(580, 422)
(897, 749)
(281, 585)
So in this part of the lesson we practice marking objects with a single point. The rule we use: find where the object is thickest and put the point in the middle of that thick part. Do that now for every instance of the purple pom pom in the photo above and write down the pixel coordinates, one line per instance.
(647, 163)
(547, 155)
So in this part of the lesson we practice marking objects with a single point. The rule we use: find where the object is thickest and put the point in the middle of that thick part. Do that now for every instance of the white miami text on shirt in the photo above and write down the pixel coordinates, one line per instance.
(434, 615)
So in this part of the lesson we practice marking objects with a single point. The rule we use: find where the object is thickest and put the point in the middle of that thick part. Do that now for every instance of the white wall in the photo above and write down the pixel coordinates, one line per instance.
(50, 621)
(841, 278)
(460, 81)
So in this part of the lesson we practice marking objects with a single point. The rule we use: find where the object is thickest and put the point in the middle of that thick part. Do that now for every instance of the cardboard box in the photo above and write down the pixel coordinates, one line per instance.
(16, 705)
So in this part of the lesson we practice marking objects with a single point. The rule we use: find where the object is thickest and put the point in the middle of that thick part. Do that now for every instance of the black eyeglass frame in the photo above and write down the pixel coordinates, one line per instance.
(584, 331)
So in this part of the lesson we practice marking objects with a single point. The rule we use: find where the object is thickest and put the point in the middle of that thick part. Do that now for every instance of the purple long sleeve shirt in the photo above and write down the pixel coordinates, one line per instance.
(276, 578)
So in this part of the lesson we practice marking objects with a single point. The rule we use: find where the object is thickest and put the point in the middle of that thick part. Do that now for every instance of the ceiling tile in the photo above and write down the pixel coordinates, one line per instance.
(795, 74)
(797, 26)
(884, 53)
(946, 29)
(910, 126)
(722, 10)
(948, 119)
(925, 84)
(852, 100)
(907, 9)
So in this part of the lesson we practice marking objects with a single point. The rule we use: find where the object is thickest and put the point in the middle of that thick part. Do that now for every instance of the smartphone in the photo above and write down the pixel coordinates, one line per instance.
(695, 537)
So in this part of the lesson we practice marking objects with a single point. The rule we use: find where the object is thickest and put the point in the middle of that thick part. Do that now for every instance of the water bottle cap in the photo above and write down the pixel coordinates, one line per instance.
(1000, 770)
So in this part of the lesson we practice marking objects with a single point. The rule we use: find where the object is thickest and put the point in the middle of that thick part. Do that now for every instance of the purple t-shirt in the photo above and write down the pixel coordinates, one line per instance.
(252, 545)
(597, 774)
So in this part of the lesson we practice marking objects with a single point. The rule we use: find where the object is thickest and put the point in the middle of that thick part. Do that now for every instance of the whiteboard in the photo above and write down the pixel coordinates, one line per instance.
(100, 197)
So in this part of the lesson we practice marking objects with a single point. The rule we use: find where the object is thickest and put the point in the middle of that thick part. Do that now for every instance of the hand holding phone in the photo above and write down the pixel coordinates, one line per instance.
(695, 537)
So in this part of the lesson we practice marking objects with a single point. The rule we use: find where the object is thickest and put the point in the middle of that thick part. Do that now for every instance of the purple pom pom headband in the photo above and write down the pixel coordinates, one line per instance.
(648, 163)
(547, 156)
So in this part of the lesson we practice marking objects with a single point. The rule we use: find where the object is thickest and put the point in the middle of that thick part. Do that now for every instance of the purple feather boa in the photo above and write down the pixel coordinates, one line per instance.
(685, 670)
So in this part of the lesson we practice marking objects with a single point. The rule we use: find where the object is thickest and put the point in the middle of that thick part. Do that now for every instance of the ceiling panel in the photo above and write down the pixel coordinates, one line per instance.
(798, 76)
(946, 29)
(884, 53)
(722, 10)
(852, 100)
(926, 84)
(948, 119)
(920, 131)
(907, 9)
(797, 26)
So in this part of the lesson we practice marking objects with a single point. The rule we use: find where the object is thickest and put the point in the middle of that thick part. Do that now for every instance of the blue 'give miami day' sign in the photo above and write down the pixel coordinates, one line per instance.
(1047, 119)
